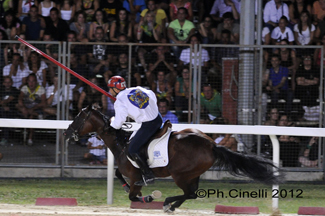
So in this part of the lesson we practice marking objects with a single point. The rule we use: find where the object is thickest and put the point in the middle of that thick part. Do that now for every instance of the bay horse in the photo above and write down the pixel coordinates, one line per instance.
(190, 151)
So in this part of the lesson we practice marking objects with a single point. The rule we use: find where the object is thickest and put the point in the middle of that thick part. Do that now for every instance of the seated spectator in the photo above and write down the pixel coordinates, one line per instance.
(111, 9)
(98, 20)
(45, 6)
(307, 89)
(31, 102)
(274, 10)
(56, 26)
(33, 25)
(228, 23)
(23, 50)
(88, 6)
(53, 51)
(134, 9)
(207, 31)
(176, 4)
(278, 84)
(310, 154)
(17, 71)
(162, 88)
(67, 10)
(121, 26)
(318, 53)
(38, 67)
(8, 100)
(227, 140)
(3, 49)
(10, 24)
(282, 32)
(296, 8)
(24, 6)
(183, 92)
(80, 26)
(180, 30)
(163, 106)
(160, 15)
(220, 7)
(273, 117)
(318, 11)
(211, 102)
(97, 151)
(53, 94)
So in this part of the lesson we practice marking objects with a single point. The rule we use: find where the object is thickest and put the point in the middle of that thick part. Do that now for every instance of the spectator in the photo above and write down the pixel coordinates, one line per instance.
(10, 24)
(222, 7)
(176, 4)
(227, 140)
(45, 7)
(274, 10)
(97, 150)
(17, 71)
(308, 89)
(161, 17)
(318, 11)
(228, 23)
(304, 30)
(8, 100)
(80, 26)
(24, 6)
(121, 26)
(148, 32)
(22, 49)
(38, 67)
(55, 92)
(67, 10)
(111, 8)
(273, 117)
(163, 106)
(89, 7)
(56, 26)
(98, 20)
(207, 31)
(180, 30)
(3, 49)
(53, 51)
(282, 32)
(278, 84)
(162, 88)
(211, 102)
(296, 8)
(134, 7)
(310, 154)
(33, 25)
(318, 53)
(31, 102)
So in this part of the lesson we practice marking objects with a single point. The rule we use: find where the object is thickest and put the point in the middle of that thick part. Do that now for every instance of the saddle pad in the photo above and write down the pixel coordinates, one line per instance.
(157, 152)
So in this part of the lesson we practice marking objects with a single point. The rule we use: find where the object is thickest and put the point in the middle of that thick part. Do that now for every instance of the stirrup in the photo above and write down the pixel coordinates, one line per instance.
(145, 182)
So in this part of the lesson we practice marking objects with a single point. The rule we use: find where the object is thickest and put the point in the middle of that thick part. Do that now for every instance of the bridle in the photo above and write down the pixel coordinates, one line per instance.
(75, 132)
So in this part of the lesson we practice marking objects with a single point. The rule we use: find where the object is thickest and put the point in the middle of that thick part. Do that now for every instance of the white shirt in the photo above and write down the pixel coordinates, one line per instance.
(271, 13)
(137, 103)
(50, 90)
(39, 73)
(95, 143)
(304, 37)
(18, 79)
(221, 7)
(185, 57)
(287, 34)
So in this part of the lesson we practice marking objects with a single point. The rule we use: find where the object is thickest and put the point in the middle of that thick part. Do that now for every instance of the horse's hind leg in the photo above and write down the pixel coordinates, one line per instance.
(125, 185)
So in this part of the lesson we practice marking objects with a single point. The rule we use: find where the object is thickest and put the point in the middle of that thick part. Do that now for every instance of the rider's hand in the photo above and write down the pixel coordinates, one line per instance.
(111, 119)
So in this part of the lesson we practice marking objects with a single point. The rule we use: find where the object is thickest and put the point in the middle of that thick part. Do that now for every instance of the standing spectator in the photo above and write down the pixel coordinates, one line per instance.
(278, 84)
(67, 10)
(38, 67)
(180, 30)
(97, 150)
(211, 102)
(318, 11)
(282, 32)
(24, 6)
(80, 26)
(10, 24)
(31, 102)
(207, 31)
(111, 8)
(273, 11)
(8, 100)
(176, 4)
(98, 20)
(163, 107)
(134, 7)
(296, 8)
(162, 88)
(121, 26)
(56, 26)
(222, 6)
(88, 6)
(17, 71)
(45, 7)
(304, 30)
(228, 23)
(33, 25)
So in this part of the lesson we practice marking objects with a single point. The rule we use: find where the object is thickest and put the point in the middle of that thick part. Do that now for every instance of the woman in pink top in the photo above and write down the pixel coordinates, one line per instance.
(175, 4)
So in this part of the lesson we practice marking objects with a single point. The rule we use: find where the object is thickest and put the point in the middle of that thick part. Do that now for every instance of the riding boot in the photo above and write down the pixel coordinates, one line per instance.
(147, 175)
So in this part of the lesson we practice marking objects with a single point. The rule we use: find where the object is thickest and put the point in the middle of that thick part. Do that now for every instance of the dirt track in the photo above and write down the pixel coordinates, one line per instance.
(31, 210)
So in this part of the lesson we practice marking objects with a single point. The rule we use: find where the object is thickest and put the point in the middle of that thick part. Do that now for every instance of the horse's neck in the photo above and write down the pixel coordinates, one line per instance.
(112, 144)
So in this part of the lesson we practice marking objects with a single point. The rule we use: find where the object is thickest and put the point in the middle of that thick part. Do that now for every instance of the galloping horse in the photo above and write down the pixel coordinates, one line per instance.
(190, 151)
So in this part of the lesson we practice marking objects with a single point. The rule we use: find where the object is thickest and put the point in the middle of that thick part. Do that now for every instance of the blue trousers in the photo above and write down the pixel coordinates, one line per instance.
(146, 131)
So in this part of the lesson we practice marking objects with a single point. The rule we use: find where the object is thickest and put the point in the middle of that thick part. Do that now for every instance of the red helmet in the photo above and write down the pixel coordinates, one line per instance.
(117, 82)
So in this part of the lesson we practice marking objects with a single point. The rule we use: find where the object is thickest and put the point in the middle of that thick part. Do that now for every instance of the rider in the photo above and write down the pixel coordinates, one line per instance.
(139, 104)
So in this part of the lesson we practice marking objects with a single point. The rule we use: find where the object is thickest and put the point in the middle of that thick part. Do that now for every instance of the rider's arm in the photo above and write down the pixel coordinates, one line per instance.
(121, 114)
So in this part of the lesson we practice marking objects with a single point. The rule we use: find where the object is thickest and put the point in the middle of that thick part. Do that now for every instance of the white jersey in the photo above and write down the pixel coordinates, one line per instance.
(95, 143)
(137, 103)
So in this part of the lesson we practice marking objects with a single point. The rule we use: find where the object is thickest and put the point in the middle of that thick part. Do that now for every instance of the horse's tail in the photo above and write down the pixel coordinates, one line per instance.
(254, 167)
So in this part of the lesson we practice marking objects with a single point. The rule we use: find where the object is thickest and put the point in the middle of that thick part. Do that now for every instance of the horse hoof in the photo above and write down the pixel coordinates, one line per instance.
(168, 209)
(126, 188)
(156, 194)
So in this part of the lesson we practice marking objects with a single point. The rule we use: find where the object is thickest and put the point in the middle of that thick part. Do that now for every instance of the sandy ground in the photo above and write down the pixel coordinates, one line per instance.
(31, 210)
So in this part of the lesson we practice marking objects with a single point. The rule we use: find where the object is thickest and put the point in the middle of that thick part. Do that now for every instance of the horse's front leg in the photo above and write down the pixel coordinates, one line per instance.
(135, 191)
(125, 185)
